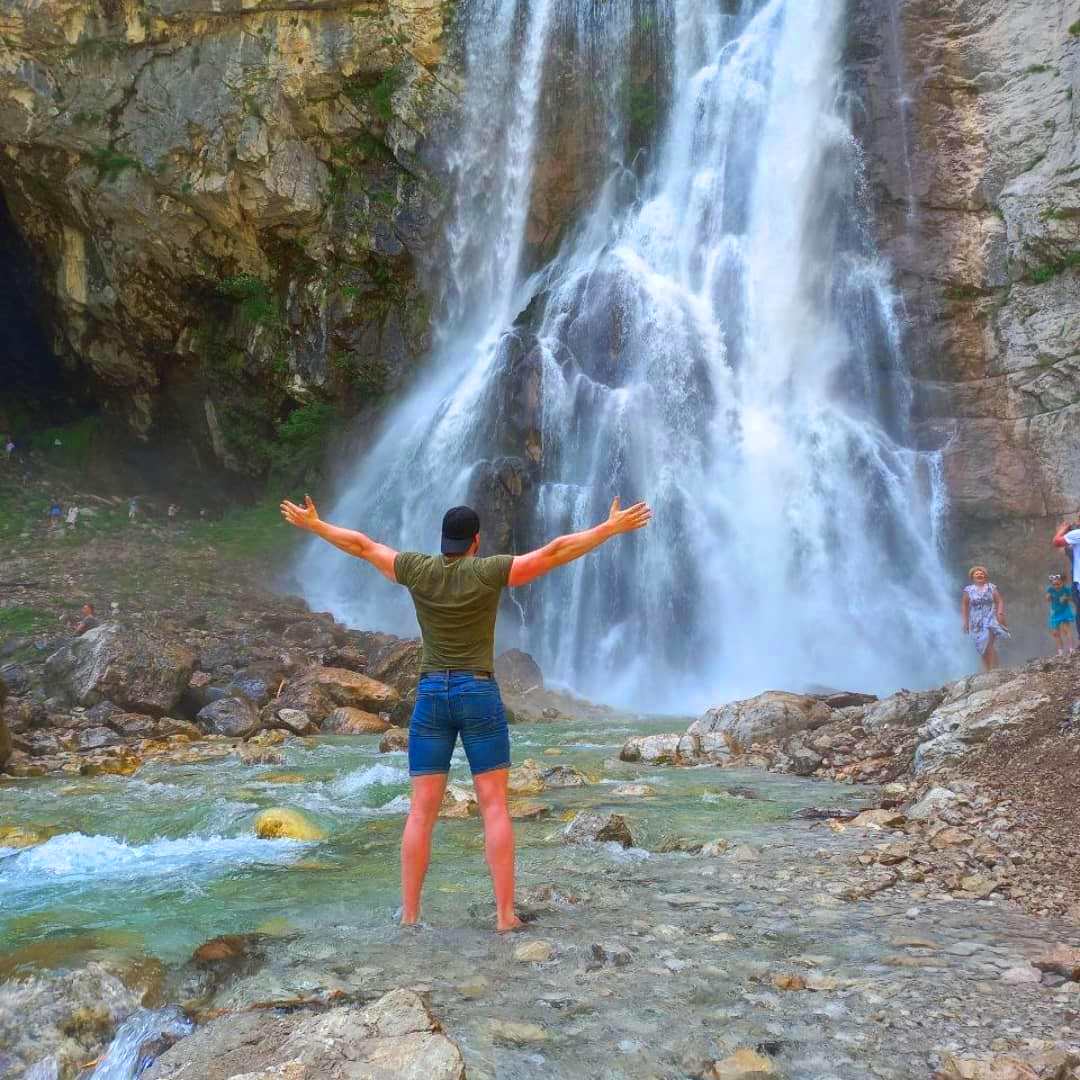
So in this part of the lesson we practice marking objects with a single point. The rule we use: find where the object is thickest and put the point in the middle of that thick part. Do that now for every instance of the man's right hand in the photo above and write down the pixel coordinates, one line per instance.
(624, 521)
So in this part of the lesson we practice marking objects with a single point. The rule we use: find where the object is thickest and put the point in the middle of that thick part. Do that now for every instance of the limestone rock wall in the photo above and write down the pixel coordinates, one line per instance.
(231, 204)
(972, 133)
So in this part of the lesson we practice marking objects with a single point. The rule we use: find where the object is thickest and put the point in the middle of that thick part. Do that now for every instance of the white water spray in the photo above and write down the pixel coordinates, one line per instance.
(717, 336)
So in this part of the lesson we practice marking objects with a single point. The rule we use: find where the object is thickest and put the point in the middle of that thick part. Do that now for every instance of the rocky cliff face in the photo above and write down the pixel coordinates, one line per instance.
(972, 131)
(230, 204)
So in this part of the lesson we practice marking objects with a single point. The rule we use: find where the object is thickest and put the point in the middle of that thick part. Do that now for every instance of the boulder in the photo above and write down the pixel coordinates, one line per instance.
(234, 717)
(589, 827)
(932, 803)
(396, 739)
(670, 749)
(526, 779)
(392, 660)
(561, 776)
(319, 691)
(878, 819)
(517, 672)
(975, 709)
(295, 720)
(279, 823)
(16, 676)
(1059, 960)
(906, 709)
(804, 761)
(349, 721)
(770, 717)
(744, 1064)
(634, 791)
(458, 802)
(139, 670)
(395, 1038)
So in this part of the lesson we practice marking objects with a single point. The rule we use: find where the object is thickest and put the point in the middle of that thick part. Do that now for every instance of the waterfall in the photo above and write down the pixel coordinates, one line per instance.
(717, 335)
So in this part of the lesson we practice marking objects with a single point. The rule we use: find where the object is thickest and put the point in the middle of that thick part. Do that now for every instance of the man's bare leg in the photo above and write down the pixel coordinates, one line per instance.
(498, 843)
(427, 794)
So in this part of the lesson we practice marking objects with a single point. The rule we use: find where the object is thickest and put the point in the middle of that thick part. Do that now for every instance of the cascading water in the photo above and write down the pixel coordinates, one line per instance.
(717, 336)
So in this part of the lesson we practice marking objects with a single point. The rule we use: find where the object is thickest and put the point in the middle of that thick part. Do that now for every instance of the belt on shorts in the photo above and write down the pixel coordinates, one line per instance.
(458, 671)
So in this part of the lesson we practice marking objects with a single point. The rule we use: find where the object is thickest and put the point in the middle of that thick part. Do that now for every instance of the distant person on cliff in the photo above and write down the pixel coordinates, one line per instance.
(983, 613)
(1062, 614)
(456, 596)
(56, 512)
(1068, 537)
(87, 620)
(133, 510)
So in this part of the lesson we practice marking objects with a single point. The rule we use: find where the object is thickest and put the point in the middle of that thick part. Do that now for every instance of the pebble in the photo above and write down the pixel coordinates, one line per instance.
(534, 952)
(516, 1033)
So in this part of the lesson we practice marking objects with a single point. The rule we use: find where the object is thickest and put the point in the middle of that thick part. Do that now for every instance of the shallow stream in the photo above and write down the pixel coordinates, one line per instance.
(156, 864)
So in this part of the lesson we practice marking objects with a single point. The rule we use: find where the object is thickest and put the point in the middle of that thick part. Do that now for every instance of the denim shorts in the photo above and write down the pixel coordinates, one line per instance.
(453, 703)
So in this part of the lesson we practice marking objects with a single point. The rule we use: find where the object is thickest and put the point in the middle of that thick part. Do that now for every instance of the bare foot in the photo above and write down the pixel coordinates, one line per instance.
(510, 926)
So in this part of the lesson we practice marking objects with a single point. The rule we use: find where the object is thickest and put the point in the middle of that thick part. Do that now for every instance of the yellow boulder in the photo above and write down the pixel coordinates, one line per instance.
(279, 823)
(16, 836)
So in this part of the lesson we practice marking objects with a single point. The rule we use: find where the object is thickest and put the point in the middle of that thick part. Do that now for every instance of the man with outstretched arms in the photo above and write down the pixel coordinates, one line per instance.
(456, 596)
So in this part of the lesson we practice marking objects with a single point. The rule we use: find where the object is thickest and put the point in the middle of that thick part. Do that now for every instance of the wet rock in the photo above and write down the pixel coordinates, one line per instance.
(319, 691)
(95, 738)
(527, 810)
(516, 1033)
(395, 739)
(458, 802)
(634, 791)
(140, 670)
(787, 981)
(68, 1018)
(844, 699)
(517, 672)
(878, 819)
(396, 1037)
(295, 720)
(280, 823)
(18, 836)
(822, 813)
(232, 717)
(658, 749)
(745, 853)
(588, 827)
(476, 986)
(253, 754)
(1059, 960)
(347, 720)
(773, 716)
(526, 779)
(613, 953)
(563, 776)
(534, 952)
(744, 1064)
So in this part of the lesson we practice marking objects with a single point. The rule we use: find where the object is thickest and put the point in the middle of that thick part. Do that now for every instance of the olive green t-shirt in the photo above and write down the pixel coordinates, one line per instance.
(456, 602)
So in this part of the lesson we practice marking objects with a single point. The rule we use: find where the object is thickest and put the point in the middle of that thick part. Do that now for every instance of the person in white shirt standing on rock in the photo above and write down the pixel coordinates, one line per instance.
(1068, 537)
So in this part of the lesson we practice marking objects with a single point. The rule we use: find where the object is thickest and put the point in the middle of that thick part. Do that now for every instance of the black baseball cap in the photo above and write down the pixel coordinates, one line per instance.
(460, 524)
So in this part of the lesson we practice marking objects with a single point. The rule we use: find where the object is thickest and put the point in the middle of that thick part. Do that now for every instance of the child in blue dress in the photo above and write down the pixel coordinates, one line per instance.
(1059, 597)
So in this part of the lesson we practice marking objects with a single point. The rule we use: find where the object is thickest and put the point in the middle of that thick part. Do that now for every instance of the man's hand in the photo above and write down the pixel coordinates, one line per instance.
(629, 520)
(303, 517)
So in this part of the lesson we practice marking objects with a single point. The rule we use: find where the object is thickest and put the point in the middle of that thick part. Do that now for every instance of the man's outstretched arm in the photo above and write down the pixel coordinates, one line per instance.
(564, 549)
(349, 540)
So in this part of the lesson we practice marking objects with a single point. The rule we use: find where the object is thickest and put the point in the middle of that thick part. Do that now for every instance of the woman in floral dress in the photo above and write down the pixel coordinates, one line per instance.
(983, 612)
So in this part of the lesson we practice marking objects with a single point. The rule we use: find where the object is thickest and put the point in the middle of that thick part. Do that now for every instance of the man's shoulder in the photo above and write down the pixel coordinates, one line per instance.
(408, 564)
(493, 570)
(1072, 538)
